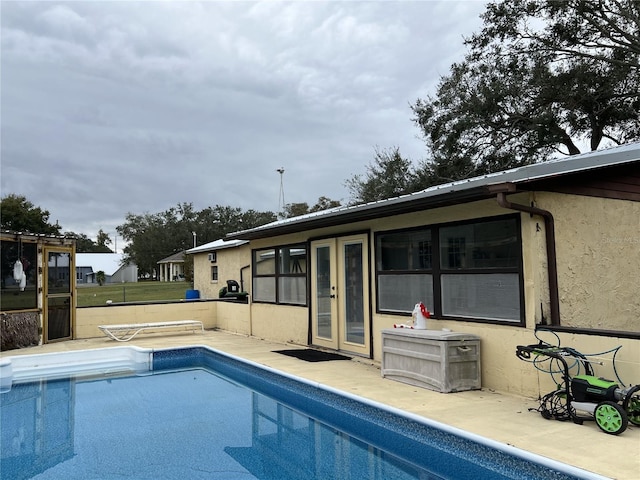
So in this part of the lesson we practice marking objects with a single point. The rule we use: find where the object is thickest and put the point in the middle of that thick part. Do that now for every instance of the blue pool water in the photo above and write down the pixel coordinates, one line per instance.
(200, 414)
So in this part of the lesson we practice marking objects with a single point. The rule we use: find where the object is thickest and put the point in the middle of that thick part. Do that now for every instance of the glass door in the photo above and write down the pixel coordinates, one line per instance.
(339, 289)
(59, 273)
(324, 292)
(353, 306)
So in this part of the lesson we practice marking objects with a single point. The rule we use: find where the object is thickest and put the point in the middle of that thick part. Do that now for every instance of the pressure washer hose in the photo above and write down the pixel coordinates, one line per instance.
(580, 359)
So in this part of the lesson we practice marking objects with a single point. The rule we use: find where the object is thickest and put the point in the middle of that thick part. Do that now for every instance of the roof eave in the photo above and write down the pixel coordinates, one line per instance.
(388, 208)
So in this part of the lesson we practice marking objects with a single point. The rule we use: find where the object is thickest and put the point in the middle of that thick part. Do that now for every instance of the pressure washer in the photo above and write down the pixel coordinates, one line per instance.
(583, 396)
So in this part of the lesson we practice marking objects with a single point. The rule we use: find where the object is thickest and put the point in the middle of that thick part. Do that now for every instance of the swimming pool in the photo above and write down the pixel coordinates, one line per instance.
(198, 413)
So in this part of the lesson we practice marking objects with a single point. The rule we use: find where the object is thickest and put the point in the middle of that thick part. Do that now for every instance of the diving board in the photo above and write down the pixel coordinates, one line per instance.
(124, 333)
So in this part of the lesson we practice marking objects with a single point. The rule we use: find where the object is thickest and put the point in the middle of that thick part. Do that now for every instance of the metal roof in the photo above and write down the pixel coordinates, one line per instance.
(173, 258)
(452, 193)
(219, 244)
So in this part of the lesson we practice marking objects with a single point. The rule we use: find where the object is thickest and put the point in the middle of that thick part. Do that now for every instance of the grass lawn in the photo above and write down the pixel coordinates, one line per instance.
(92, 296)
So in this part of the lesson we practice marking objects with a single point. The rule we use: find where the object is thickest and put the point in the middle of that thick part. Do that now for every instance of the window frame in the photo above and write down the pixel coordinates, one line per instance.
(419, 271)
(437, 271)
(215, 274)
(279, 276)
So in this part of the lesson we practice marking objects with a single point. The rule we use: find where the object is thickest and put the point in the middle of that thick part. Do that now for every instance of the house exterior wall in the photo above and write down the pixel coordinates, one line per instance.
(598, 250)
(171, 271)
(82, 273)
(596, 246)
(280, 323)
(230, 262)
(127, 273)
(503, 371)
(596, 243)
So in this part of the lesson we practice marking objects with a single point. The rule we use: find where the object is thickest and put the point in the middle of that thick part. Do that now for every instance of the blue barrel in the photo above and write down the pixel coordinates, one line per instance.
(192, 294)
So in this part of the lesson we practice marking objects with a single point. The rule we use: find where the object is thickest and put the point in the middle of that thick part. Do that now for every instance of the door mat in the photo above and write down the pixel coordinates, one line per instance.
(310, 355)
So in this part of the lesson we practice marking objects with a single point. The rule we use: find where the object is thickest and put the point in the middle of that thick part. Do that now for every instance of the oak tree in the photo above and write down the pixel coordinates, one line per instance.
(541, 78)
(389, 175)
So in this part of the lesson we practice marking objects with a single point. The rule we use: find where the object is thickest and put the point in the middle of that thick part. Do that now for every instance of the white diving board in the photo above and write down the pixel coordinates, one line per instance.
(124, 333)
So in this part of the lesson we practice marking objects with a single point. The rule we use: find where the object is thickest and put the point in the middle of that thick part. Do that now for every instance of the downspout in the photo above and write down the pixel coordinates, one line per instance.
(549, 230)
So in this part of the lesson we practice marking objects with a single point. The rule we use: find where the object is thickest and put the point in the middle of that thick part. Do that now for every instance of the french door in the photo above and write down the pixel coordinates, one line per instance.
(340, 294)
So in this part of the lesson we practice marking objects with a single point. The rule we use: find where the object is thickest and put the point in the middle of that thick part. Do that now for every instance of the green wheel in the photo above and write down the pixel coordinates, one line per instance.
(631, 405)
(611, 418)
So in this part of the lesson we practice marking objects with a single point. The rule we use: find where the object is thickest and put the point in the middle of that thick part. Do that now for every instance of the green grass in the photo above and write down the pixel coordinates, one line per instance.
(130, 292)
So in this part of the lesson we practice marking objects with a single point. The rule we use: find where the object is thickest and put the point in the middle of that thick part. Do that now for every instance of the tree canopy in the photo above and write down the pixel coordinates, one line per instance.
(85, 245)
(153, 236)
(20, 215)
(297, 209)
(389, 175)
(540, 78)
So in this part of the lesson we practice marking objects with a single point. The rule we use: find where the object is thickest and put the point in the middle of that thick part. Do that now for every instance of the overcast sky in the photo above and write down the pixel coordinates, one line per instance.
(112, 107)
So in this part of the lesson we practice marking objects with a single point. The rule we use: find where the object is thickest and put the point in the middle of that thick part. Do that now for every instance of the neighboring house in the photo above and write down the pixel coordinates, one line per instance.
(550, 246)
(172, 268)
(89, 264)
(125, 273)
(217, 262)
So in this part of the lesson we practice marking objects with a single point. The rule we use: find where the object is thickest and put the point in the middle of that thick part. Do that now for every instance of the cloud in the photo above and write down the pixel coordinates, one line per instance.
(116, 107)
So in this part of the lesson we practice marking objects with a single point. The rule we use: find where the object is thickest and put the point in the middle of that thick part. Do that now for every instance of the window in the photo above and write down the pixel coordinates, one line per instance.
(404, 266)
(480, 270)
(280, 275)
(468, 270)
(214, 273)
(490, 244)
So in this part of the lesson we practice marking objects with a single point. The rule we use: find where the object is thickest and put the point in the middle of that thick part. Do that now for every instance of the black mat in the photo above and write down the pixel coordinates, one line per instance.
(310, 355)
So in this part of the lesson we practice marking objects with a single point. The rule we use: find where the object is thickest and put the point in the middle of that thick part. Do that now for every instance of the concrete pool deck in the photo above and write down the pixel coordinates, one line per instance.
(497, 416)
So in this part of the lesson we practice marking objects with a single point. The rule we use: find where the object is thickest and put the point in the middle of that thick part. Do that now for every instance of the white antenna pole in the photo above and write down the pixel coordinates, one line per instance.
(281, 203)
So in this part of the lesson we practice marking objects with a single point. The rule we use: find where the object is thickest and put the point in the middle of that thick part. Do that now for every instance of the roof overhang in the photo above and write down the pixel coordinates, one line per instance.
(216, 245)
(369, 211)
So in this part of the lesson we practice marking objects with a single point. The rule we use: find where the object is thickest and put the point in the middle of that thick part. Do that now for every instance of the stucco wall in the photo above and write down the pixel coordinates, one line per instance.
(280, 323)
(230, 261)
(598, 250)
(503, 371)
(88, 319)
(233, 317)
(597, 245)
